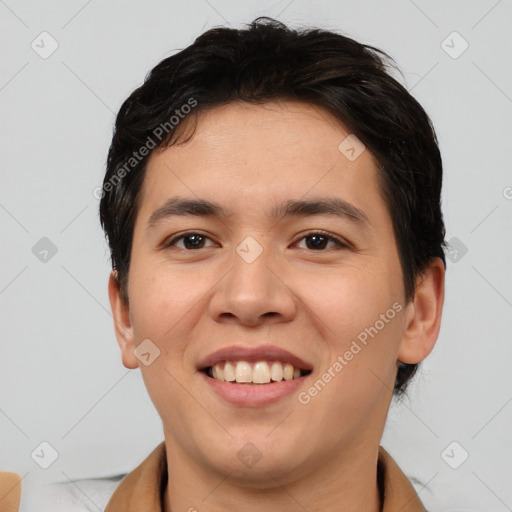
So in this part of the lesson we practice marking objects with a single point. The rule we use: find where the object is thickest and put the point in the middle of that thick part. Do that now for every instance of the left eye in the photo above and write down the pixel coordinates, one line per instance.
(319, 241)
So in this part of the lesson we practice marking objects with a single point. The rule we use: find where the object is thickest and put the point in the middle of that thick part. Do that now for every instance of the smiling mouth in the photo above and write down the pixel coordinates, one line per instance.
(259, 372)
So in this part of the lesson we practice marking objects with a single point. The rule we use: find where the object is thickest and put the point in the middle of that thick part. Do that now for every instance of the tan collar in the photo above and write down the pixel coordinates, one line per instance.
(142, 490)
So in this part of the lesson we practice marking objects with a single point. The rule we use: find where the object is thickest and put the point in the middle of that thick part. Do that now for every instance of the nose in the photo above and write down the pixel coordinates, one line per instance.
(253, 293)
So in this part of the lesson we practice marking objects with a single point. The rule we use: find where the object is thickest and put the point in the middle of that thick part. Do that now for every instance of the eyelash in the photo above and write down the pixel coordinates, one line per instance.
(341, 245)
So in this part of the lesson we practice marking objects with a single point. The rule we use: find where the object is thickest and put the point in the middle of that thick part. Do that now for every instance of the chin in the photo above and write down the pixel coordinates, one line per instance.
(260, 464)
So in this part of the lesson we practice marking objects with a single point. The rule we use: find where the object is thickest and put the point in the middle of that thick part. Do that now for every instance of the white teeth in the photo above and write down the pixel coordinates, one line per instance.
(288, 372)
(218, 372)
(261, 372)
(229, 372)
(243, 372)
(277, 371)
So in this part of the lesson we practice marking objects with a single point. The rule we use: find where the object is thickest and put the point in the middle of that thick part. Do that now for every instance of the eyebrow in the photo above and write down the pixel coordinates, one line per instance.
(338, 207)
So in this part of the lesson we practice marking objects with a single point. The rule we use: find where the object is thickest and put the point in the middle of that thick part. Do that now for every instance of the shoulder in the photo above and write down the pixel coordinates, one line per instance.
(10, 491)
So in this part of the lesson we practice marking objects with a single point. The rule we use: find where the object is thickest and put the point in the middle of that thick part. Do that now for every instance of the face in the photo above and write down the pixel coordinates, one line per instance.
(288, 257)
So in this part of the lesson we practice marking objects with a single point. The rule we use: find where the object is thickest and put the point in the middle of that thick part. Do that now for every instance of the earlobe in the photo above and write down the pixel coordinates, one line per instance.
(423, 315)
(122, 323)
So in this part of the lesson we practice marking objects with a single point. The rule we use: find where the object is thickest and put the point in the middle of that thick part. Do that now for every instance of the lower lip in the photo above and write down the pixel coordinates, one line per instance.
(253, 395)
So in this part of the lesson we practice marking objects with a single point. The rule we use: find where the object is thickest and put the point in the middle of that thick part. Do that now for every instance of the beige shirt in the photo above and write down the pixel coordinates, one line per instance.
(142, 490)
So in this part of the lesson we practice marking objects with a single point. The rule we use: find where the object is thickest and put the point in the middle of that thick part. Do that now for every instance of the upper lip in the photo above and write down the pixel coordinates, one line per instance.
(253, 354)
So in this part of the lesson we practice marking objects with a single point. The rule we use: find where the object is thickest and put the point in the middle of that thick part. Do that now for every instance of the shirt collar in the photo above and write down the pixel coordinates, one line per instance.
(143, 489)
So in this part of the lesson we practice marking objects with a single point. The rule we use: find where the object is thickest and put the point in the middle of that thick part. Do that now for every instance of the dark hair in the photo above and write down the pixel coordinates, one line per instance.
(268, 61)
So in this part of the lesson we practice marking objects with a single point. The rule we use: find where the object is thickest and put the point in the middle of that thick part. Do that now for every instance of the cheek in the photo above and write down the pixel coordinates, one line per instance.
(165, 305)
(361, 312)
(348, 300)
(166, 308)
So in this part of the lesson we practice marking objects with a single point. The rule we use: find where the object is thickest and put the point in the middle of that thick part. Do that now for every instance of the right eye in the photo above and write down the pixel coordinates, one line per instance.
(191, 241)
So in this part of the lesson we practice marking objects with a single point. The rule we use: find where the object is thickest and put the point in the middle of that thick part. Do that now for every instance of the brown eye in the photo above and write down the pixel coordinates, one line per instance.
(190, 241)
(319, 241)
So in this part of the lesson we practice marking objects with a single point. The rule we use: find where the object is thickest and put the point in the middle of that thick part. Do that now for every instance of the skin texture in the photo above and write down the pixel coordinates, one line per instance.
(312, 302)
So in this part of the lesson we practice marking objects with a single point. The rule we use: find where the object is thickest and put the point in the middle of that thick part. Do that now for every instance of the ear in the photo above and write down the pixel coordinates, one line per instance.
(423, 314)
(122, 323)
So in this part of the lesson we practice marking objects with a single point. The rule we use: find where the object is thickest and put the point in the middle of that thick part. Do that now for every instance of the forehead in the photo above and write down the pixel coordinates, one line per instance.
(255, 157)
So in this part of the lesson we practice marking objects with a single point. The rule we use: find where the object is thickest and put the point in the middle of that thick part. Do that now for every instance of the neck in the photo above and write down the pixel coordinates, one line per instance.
(347, 482)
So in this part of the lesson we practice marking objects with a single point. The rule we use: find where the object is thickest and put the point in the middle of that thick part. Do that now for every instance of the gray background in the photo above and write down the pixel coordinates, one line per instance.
(61, 377)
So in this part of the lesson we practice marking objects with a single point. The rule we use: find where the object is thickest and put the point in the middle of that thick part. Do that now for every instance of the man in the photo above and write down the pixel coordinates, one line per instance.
(272, 205)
